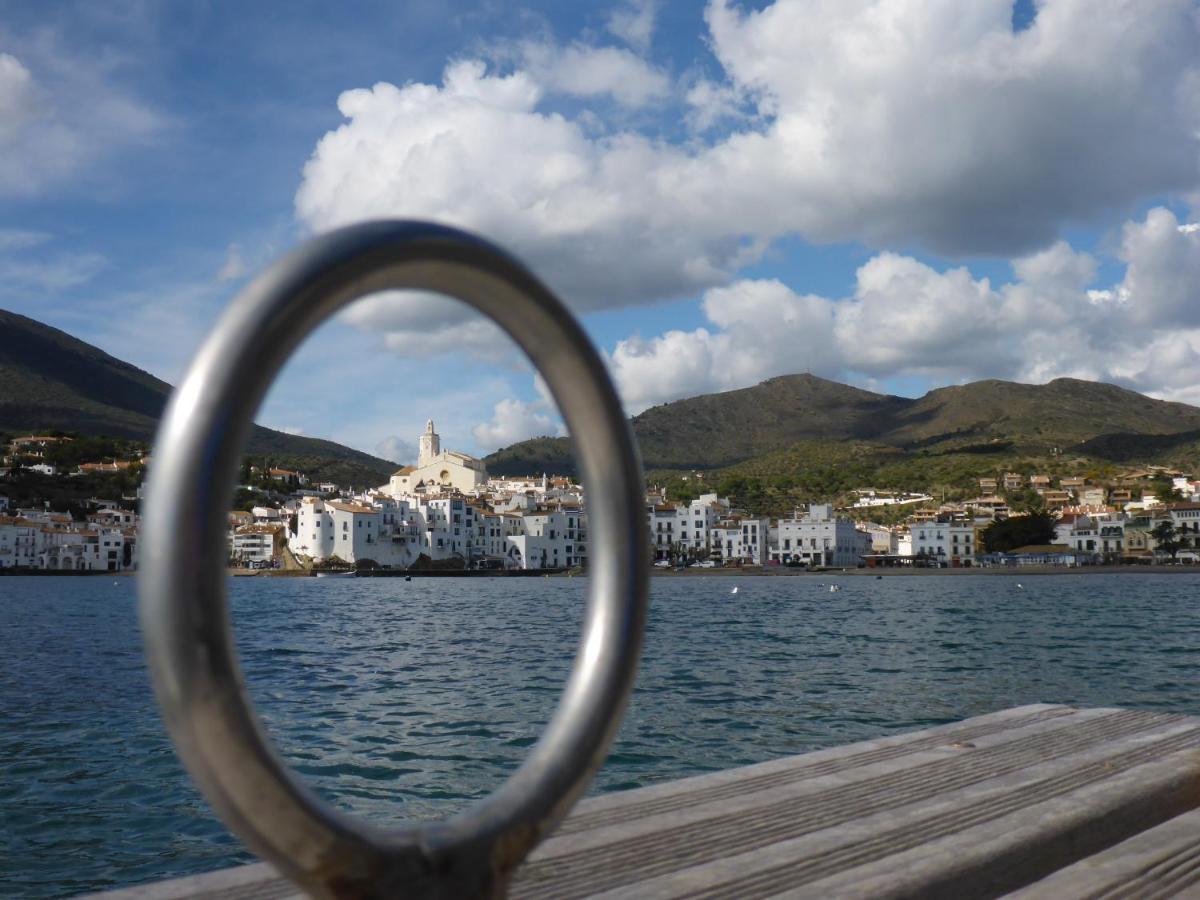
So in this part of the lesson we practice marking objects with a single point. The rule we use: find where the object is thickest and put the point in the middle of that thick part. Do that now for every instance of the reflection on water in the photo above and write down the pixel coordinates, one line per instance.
(408, 699)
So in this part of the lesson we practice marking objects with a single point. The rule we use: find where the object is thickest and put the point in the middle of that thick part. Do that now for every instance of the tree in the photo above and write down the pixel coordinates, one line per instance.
(1165, 490)
(1166, 538)
(1019, 531)
(1026, 500)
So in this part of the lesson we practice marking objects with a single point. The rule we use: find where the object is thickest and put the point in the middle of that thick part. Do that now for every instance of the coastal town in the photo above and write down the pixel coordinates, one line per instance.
(445, 512)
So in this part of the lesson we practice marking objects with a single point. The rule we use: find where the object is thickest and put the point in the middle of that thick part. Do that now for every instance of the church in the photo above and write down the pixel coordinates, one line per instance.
(437, 470)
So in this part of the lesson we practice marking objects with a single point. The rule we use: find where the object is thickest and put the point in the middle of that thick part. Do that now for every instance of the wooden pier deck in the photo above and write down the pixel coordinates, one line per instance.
(1040, 801)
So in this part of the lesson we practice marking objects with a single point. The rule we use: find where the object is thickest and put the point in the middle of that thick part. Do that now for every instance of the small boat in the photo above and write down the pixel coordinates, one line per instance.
(349, 574)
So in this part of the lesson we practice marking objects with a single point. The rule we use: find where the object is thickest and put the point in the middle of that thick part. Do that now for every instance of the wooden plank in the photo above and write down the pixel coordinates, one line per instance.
(257, 881)
(1162, 862)
(974, 808)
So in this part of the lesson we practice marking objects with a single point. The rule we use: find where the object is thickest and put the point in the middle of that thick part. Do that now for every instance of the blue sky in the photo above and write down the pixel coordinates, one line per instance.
(892, 193)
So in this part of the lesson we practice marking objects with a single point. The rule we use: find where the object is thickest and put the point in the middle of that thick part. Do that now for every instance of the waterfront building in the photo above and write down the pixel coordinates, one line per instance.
(820, 539)
(694, 523)
(883, 539)
(1101, 535)
(99, 550)
(349, 531)
(949, 541)
(548, 539)
(663, 537)
(258, 543)
(20, 543)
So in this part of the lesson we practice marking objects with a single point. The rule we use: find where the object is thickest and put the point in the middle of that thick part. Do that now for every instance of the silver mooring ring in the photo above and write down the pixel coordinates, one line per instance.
(185, 614)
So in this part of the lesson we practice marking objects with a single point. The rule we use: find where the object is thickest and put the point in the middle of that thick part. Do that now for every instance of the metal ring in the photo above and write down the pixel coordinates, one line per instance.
(184, 609)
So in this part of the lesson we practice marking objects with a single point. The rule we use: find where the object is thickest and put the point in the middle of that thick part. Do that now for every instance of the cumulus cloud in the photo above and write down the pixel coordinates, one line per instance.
(883, 121)
(583, 71)
(906, 318)
(513, 421)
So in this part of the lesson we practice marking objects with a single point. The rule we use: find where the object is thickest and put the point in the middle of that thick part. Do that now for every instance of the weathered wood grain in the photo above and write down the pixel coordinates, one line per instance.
(1039, 798)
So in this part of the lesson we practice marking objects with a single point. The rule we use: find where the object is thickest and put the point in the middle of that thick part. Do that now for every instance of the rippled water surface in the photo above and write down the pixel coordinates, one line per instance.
(409, 699)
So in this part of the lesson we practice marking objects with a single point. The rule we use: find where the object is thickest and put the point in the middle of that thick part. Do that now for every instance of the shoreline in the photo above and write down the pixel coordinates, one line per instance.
(909, 572)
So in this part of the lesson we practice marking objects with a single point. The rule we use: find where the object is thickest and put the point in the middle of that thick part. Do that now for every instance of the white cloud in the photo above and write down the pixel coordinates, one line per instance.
(906, 318)
(18, 98)
(396, 449)
(634, 23)
(583, 71)
(19, 239)
(513, 421)
(885, 121)
(711, 103)
(60, 111)
(234, 266)
(29, 265)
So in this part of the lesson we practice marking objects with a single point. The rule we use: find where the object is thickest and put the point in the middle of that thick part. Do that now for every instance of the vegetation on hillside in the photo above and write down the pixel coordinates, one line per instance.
(50, 381)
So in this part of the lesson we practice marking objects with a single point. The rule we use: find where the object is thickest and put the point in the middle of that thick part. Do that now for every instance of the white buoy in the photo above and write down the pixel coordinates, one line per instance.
(734, 591)
(1020, 586)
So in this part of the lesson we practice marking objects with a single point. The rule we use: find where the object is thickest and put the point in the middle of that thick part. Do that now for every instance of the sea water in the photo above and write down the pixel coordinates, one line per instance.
(409, 699)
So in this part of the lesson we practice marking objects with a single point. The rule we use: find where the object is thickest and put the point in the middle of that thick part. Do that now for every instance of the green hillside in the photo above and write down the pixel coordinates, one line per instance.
(997, 419)
(50, 381)
(799, 438)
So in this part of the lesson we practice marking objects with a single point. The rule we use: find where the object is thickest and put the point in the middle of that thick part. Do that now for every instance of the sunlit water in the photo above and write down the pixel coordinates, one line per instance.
(409, 699)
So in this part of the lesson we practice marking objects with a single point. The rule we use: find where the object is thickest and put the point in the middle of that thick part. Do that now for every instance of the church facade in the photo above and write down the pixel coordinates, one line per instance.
(437, 470)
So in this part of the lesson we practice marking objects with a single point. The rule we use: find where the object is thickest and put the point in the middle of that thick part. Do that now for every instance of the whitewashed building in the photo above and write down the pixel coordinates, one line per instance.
(820, 539)
(349, 531)
(948, 541)
(98, 550)
(741, 539)
(20, 543)
(548, 540)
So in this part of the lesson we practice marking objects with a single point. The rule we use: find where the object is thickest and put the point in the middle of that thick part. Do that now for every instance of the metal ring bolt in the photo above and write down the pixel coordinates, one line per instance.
(184, 608)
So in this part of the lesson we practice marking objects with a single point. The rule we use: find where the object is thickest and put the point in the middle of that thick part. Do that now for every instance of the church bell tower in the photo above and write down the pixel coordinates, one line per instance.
(430, 445)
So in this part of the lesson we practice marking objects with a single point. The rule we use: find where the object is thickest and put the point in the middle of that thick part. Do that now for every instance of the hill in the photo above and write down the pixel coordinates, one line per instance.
(50, 381)
(986, 417)
(800, 438)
